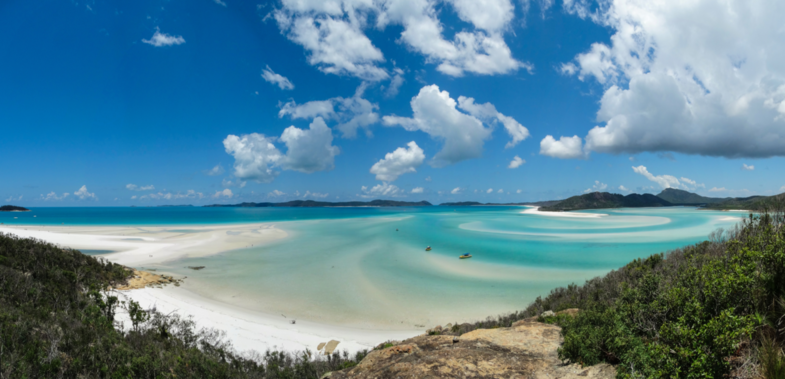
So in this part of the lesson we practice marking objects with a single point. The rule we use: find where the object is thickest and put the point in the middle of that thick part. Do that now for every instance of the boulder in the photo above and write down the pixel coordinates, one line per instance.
(524, 351)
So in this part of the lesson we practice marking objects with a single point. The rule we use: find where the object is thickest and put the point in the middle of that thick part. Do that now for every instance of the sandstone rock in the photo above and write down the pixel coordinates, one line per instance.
(523, 351)
(330, 347)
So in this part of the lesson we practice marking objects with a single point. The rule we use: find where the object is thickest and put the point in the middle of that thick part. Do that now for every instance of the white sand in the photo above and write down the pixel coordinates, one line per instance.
(248, 330)
(537, 211)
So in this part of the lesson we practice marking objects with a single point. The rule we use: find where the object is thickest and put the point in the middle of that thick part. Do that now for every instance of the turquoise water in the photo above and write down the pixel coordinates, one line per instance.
(351, 266)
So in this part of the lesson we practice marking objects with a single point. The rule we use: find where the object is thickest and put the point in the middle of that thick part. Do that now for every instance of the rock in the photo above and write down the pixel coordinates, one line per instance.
(330, 347)
(321, 345)
(525, 351)
(547, 314)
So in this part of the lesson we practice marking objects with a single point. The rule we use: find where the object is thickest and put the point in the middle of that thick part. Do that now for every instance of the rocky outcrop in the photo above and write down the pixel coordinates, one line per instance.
(527, 350)
(142, 279)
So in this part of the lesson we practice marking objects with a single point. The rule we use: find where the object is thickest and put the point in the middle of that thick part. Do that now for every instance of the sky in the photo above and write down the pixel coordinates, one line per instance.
(150, 102)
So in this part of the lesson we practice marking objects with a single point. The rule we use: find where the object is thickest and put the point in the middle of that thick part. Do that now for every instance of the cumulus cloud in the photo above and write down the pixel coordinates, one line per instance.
(227, 193)
(456, 190)
(668, 181)
(564, 148)
(395, 83)
(500, 191)
(276, 193)
(782, 188)
(488, 113)
(315, 195)
(190, 194)
(215, 171)
(435, 113)
(516, 162)
(489, 190)
(220, 2)
(699, 77)
(623, 188)
(332, 32)
(384, 189)
(399, 162)
(352, 112)
(518, 191)
(747, 168)
(52, 196)
(82, 194)
(281, 81)
(162, 39)
(12, 198)
(134, 187)
(597, 187)
(418, 190)
(715, 189)
(308, 151)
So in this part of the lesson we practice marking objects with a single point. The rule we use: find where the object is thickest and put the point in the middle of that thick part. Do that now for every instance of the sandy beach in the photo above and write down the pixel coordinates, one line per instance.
(536, 210)
(248, 330)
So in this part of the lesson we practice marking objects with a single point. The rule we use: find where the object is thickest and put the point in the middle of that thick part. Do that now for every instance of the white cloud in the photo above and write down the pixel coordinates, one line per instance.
(308, 151)
(456, 190)
(133, 197)
(564, 148)
(276, 193)
(597, 187)
(395, 83)
(315, 194)
(516, 162)
(399, 162)
(500, 191)
(227, 193)
(162, 39)
(782, 188)
(220, 2)
(428, 179)
(698, 77)
(190, 194)
(715, 189)
(353, 112)
(215, 171)
(488, 114)
(11, 198)
(489, 190)
(435, 114)
(623, 188)
(668, 181)
(417, 190)
(82, 194)
(53, 196)
(747, 168)
(281, 81)
(134, 187)
(384, 189)
(332, 34)
(335, 45)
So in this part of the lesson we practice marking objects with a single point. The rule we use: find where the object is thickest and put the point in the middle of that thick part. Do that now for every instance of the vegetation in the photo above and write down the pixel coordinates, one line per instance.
(315, 204)
(13, 208)
(753, 203)
(57, 320)
(600, 200)
(681, 197)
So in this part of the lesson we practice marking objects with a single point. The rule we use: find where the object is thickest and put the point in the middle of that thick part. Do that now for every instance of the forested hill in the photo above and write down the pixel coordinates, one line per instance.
(681, 197)
(13, 208)
(752, 203)
(316, 204)
(601, 200)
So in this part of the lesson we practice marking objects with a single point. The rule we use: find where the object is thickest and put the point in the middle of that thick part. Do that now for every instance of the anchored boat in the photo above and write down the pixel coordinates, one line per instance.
(428, 248)
(465, 256)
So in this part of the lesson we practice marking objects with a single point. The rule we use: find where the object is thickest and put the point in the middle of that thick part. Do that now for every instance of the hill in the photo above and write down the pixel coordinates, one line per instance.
(600, 200)
(752, 203)
(13, 208)
(681, 197)
(316, 204)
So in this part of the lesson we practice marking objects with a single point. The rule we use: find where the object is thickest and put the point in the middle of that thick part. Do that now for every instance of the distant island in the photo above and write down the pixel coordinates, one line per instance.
(667, 198)
(317, 204)
(13, 208)
(602, 200)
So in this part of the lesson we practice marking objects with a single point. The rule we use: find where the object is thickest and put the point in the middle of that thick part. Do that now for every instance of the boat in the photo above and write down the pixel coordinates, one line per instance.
(428, 248)
(465, 256)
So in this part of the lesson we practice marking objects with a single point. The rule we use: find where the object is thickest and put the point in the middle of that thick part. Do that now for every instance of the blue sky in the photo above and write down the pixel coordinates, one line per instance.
(197, 102)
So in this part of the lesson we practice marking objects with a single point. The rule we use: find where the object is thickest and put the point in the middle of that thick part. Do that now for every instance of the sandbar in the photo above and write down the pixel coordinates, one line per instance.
(536, 210)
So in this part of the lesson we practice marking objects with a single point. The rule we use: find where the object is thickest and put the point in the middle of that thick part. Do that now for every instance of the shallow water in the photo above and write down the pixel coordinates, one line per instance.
(351, 266)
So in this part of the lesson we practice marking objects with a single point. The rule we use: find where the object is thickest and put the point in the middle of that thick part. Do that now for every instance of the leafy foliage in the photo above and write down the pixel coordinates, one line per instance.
(57, 320)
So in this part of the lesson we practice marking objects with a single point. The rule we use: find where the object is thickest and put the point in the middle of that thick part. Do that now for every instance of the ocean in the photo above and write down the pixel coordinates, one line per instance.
(367, 267)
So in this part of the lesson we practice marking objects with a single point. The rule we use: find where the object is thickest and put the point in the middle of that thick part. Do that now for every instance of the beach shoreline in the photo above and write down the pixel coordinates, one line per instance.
(136, 247)
(533, 209)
